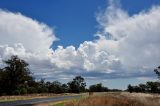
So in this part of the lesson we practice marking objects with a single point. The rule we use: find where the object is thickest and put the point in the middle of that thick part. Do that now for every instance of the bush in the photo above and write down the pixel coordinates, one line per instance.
(16, 92)
(23, 91)
(98, 88)
(31, 90)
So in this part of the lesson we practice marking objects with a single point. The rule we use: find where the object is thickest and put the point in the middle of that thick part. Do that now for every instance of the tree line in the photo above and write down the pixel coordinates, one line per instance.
(149, 87)
(16, 79)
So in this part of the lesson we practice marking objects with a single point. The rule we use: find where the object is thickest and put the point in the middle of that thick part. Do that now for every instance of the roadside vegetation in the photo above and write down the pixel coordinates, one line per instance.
(144, 95)
(17, 79)
(119, 99)
(63, 103)
(149, 87)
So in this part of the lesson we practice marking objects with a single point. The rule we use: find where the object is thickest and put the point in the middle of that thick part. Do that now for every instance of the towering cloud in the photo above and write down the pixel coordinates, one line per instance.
(128, 46)
(136, 37)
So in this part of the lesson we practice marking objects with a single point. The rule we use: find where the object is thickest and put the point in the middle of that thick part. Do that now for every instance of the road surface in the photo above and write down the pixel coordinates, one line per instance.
(37, 101)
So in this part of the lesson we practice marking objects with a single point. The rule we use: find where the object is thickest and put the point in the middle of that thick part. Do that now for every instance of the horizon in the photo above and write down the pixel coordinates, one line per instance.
(113, 42)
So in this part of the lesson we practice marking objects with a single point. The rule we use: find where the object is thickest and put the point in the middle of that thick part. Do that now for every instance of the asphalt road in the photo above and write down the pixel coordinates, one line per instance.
(37, 100)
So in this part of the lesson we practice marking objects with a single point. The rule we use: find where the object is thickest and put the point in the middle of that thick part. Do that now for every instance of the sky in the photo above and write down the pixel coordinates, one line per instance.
(115, 42)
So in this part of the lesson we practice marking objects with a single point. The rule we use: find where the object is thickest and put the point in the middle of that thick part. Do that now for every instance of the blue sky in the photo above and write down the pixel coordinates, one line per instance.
(74, 20)
(75, 23)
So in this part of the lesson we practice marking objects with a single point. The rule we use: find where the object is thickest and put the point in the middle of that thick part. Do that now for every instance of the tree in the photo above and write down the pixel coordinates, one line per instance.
(55, 87)
(65, 88)
(77, 85)
(41, 86)
(136, 88)
(157, 71)
(98, 88)
(1, 81)
(153, 87)
(15, 75)
(142, 87)
(130, 88)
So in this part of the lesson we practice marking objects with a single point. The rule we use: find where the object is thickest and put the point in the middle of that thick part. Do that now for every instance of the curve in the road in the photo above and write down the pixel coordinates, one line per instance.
(37, 100)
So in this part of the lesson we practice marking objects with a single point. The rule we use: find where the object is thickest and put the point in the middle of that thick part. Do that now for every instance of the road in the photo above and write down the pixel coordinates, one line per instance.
(37, 100)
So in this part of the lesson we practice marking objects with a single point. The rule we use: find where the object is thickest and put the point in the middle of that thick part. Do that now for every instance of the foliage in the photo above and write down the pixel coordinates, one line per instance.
(14, 75)
(157, 71)
(98, 88)
(77, 85)
(16, 79)
(130, 88)
(151, 87)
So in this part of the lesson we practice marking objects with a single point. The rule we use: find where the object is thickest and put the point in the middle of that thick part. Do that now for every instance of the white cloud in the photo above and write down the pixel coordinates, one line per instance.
(135, 38)
(16, 28)
(27, 38)
(128, 46)
(87, 57)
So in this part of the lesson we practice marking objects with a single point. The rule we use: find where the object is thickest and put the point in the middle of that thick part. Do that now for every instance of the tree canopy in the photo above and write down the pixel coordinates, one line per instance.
(98, 88)
(157, 71)
(150, 86)
(16, 78)
(77, 85)
(15, 75)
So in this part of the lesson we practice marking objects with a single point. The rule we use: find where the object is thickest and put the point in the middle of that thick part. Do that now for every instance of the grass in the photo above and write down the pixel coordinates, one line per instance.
(63, 103)
(30, 96)
(118, 99)
(60, 104)
(9, 99)
(103, 99)
(26, 105)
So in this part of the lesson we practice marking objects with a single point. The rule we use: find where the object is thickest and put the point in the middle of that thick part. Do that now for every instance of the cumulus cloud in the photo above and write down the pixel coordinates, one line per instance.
(135, 38)
(88, 57)
(27, 38)
(128, 46)
(16, 28)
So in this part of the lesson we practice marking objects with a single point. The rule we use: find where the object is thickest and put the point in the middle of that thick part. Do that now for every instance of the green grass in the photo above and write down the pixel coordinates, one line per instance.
(62, 103)
(59, 104)
(14, 99)
(27, 97)
(26, 105)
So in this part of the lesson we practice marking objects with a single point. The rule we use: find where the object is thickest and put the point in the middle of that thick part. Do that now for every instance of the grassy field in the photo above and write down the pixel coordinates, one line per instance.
(116, 99)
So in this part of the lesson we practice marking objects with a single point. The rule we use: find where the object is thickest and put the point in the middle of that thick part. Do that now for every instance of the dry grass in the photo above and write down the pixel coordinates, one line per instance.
(31, 96)
(120, 99)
